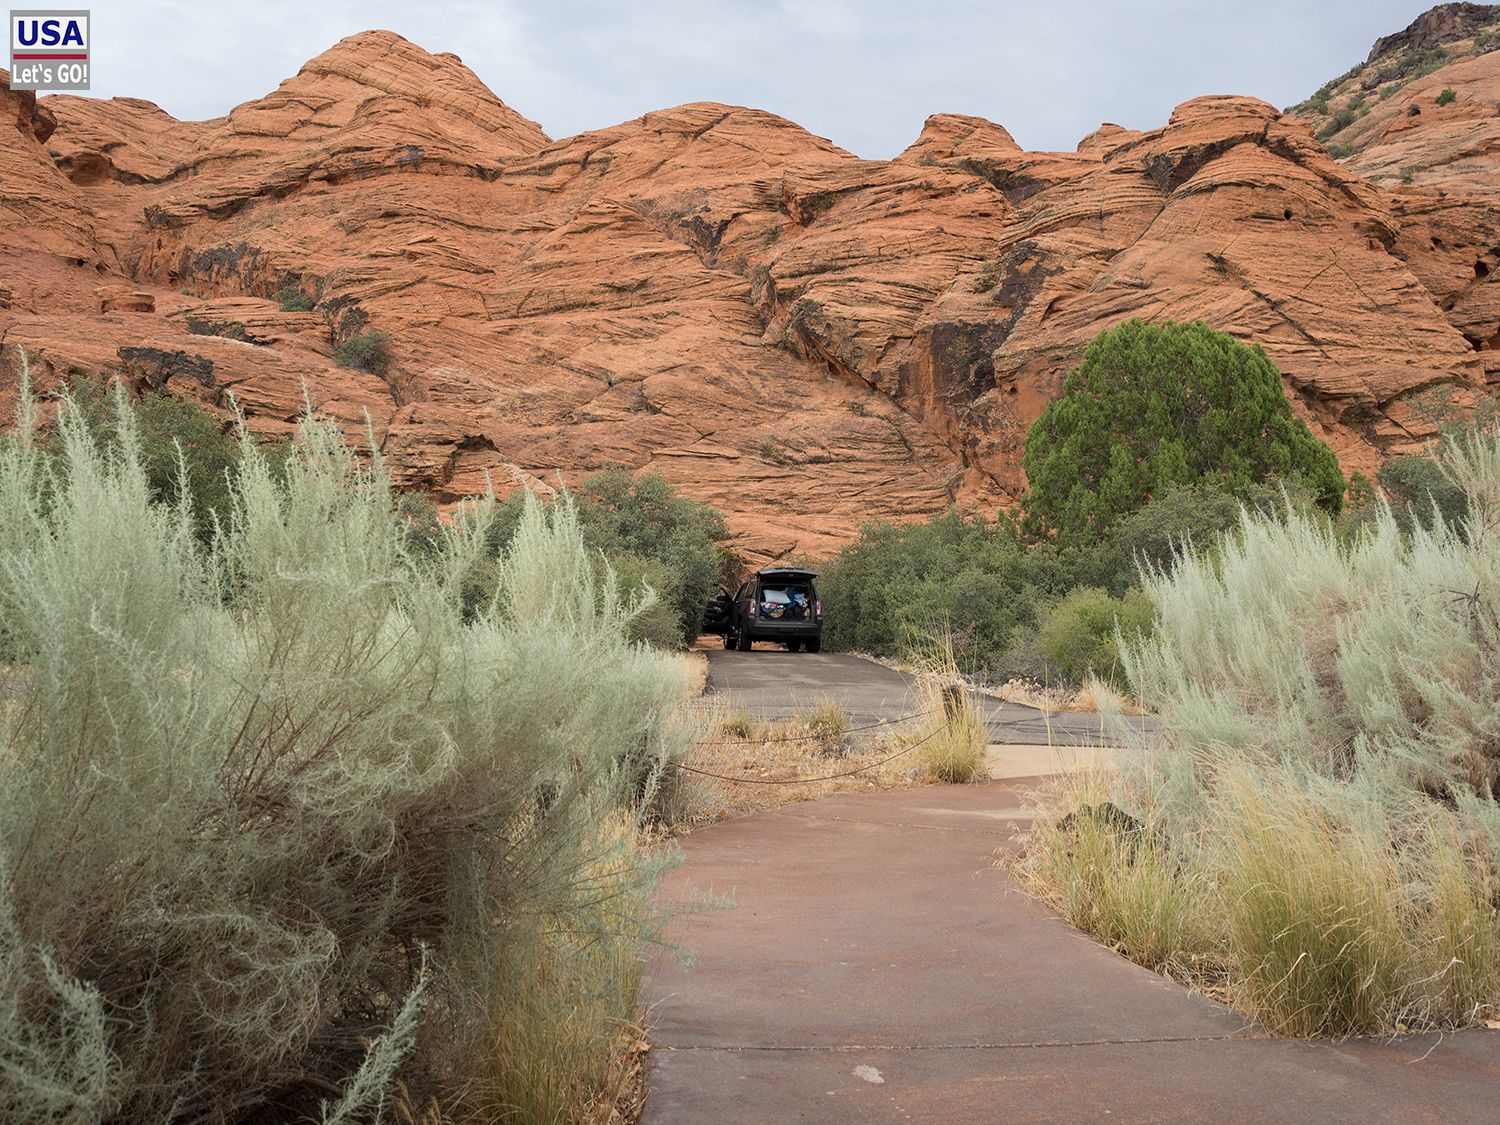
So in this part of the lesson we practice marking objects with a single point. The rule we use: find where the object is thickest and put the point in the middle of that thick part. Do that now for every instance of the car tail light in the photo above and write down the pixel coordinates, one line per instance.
(818, 610)
(752, 607)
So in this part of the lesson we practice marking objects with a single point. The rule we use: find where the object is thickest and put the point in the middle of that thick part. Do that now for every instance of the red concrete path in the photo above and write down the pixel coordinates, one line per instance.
(879, 967)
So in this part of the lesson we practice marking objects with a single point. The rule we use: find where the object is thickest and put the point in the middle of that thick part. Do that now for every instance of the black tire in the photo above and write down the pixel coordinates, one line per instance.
(742, 642)
(794, 646)
(815, 644)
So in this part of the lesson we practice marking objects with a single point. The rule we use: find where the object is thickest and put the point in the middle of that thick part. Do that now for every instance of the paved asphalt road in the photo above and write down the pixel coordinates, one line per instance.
(775, 684)
(878, 966)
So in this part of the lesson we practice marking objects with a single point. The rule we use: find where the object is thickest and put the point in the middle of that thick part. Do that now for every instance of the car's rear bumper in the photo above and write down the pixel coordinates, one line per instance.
(777, 631)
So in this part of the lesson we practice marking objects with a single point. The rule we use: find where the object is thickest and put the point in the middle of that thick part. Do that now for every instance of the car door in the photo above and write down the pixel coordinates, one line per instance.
(717, 614)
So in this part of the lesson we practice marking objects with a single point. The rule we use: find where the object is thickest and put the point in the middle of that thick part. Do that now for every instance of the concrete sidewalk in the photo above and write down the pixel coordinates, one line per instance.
(878, 966)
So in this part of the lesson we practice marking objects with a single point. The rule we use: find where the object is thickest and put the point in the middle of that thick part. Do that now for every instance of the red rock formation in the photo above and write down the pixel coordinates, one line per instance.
(804, 338)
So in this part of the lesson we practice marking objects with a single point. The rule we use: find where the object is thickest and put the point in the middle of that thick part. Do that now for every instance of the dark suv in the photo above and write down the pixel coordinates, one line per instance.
(778, 604)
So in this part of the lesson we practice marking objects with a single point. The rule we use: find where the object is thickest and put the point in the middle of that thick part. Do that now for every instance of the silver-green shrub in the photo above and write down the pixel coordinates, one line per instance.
(281, 820)
(1316, 828)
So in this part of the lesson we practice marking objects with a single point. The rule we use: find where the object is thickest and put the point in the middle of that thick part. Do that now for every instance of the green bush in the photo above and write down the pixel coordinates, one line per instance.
(291, 298)
(896, 587)
(369, 351)
(651, 536)
(1420, 487)
(282, 835)
(643, 517)
(1446, 97)
(1183, 517)
(1321, 789)
(1078, 635)
(186, 454)
(1154, 405)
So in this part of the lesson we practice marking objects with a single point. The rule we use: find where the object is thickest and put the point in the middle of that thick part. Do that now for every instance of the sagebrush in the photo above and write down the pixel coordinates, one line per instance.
(1316, 831)
(286, 826)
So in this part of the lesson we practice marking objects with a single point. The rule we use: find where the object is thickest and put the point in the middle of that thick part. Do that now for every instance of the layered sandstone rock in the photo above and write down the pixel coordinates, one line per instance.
(1421, 120)
(804, 338)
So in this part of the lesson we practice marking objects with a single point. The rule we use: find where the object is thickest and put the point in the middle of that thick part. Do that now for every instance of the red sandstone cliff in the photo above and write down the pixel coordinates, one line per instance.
(777, 325)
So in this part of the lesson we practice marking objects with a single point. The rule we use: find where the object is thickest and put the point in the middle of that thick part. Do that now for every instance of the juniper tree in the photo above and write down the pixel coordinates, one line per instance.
(1153, 405)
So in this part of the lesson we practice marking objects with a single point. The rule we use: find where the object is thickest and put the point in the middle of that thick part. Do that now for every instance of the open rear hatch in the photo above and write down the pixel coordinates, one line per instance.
(785, 597)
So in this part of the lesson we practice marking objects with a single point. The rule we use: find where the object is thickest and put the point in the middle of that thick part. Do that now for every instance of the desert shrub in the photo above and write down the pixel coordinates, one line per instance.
(1420, 491)
(1420, 487)
(898, 585)
(1183, 517)
(1115, 879)
(290, 297)
(369, 351)
(644, 516)
(187, 456)
(953, 740)
(827, 724)
(1154, 405)
(650, 582)
(282, 832)
(1446, 97)
(1324, 778)
(649, 536)
(424, 536)
(741, 724)
(1078, 635)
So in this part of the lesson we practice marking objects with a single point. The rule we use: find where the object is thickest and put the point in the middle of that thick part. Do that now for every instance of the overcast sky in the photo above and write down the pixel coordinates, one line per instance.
(864, 74)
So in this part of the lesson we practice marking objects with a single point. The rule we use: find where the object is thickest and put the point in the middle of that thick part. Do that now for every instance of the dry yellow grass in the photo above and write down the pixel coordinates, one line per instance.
(1095, 695)
(780, 763)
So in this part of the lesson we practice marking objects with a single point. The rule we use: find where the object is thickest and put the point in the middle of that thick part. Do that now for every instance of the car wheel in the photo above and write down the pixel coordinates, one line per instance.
(794, 646)
(742, 642)
(815, 645)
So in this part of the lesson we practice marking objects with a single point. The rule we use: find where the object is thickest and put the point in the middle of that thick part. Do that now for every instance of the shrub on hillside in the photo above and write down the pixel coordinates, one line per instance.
(283, 835)
(1420, 487)
(1153, 405)
(1447, 97)
(369, 351)
(1319, 805)
(290, 297)
(1078, 635)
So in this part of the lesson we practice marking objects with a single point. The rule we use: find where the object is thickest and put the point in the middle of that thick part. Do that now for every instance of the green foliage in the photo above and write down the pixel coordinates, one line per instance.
(1420, 491)
(369, 351)
(897, 586)
(1420, 486)
(186, 455)
(643, 517)
(1446, 97)
(1184, 516)
(651, 537)
(1078, 635)
(1154, 405)
(280, 826)
(1314, 826)
(290, 296)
